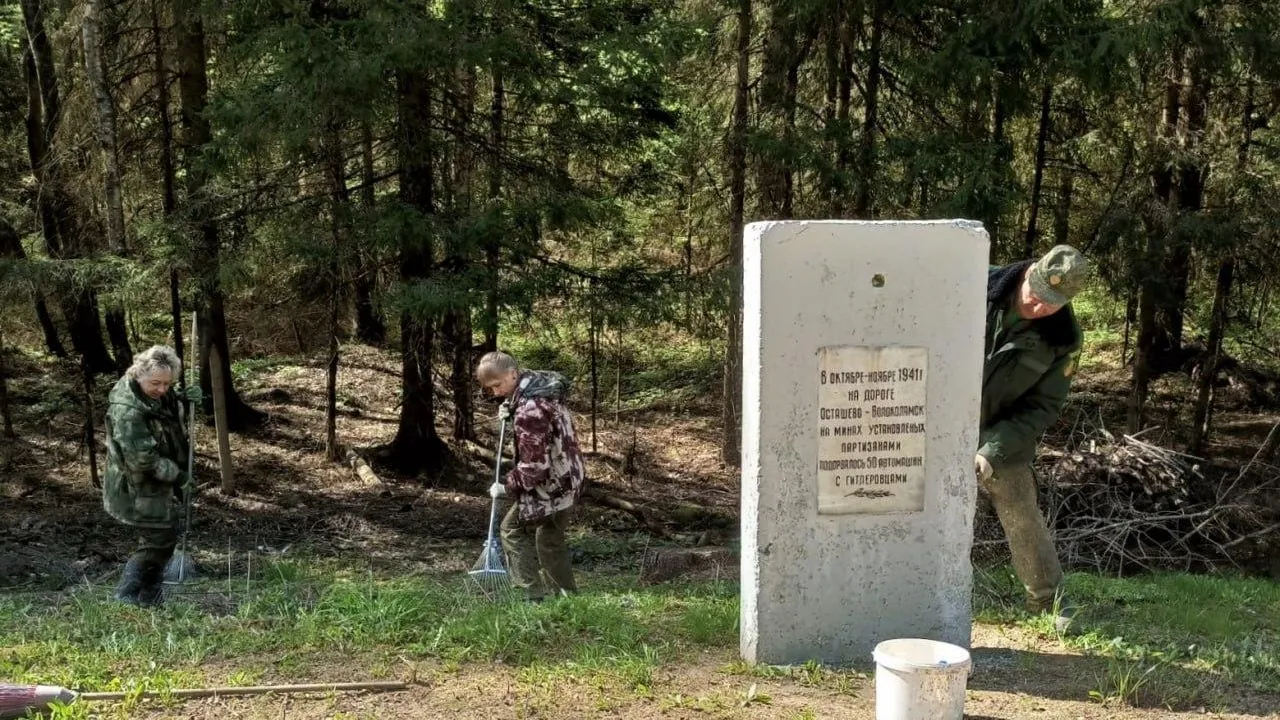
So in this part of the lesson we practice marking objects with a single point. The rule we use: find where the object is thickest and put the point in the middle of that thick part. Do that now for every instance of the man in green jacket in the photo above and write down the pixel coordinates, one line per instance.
(1032, 347)
(147, 476)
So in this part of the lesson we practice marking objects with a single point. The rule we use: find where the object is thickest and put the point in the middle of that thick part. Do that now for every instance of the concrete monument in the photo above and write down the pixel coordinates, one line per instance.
(862, 366)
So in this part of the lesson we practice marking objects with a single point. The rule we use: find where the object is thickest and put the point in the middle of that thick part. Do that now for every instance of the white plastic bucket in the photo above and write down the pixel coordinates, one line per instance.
(920, 679)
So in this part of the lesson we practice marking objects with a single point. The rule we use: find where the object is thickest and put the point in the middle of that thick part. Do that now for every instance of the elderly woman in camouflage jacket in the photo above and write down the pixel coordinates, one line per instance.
(147, 473)
(547, 479)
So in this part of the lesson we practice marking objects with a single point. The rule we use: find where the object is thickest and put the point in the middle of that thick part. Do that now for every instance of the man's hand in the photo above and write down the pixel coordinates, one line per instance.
(504, 411)
(983, 468)
(496, 490)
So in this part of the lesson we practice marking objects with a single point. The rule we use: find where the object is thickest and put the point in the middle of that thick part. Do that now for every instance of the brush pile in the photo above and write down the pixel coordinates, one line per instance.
(1116, 504)
(1125, 471)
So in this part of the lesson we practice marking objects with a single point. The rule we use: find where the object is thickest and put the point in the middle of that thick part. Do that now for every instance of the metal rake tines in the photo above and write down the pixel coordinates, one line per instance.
(181, 568)
(489, 574)
(490, 558)
(490, 585)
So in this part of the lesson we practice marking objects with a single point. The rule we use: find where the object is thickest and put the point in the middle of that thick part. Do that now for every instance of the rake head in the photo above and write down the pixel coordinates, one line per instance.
(181, 568)
(488, 578)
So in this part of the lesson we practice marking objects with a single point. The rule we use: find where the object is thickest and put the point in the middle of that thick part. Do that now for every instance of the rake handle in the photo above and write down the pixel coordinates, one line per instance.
(191, 456)
(497, 477)
(247, 690)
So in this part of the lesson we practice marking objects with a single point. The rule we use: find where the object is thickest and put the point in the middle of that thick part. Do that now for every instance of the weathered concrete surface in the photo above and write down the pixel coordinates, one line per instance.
(829, 587)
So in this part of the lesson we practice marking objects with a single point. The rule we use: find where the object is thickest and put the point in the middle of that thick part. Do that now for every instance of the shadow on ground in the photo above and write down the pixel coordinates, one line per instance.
(1110, 682)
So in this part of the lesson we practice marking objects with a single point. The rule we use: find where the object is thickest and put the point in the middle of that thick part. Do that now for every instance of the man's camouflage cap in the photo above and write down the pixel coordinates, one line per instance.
(1059, 275)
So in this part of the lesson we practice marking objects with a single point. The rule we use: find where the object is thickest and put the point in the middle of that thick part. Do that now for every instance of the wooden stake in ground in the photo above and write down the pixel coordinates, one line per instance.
(219, 384)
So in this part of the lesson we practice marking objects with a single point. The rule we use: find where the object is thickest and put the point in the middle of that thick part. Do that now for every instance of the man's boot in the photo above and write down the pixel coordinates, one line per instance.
(130, 581)
(151, 593)
(1059, 607)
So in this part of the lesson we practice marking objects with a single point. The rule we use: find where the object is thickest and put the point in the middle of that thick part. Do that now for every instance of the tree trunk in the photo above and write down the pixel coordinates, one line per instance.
(731, 450)
(90, 439)
(789, 104)
(1264, 302)
(493, 248)
(105, 124)
(456, 333)
(416, 446)
(867, 142)
(1190, 198)
(213, 333)
(370, 327)
(168, 200)
(335, 161)
(331, 379)
(11, 247)
(193, 89)
(1158, 227)
(456, 330)
(844, 98)
(831, 42)
(51, 339)
(1037, 182)
(175, 311)
(1202, 416)
(772, 157)
(5, 415)
(49, 105)
(998, 142)
(1062, 211)
(594, 331)
(105, 127)
(1142, 359)
(618, 361)
(687, 213)
(1130, 319)
(85, 324)
(54, 204)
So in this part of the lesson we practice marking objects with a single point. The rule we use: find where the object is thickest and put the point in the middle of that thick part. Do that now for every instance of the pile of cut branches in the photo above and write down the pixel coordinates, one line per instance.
(1105, 469)
(1116, 503)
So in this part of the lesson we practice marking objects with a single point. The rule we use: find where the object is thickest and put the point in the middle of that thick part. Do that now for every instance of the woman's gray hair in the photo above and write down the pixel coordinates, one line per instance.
(155, 358)
(494, 364)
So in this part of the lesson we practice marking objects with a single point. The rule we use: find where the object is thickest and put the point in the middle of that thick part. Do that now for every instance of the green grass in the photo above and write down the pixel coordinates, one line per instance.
(1166, 639)
(90, 642)
(1173, 636)
(1222, 626)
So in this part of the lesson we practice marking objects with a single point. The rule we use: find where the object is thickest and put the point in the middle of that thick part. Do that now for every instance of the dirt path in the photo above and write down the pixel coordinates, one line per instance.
(1017, 677)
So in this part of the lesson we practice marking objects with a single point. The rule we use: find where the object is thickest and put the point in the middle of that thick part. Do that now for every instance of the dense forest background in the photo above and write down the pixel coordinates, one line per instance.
(571, 179)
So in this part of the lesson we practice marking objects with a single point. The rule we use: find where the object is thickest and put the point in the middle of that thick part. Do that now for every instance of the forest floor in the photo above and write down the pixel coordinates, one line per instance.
(313, 575)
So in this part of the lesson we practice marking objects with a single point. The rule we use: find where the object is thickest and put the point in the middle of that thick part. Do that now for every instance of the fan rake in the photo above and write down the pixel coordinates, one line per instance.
(488, 577)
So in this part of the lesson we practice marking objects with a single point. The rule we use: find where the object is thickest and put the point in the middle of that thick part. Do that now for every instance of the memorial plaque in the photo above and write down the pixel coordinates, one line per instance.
(871, 429)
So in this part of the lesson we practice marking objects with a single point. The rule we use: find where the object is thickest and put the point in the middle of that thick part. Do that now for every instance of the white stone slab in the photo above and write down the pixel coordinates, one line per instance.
(873, 542)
